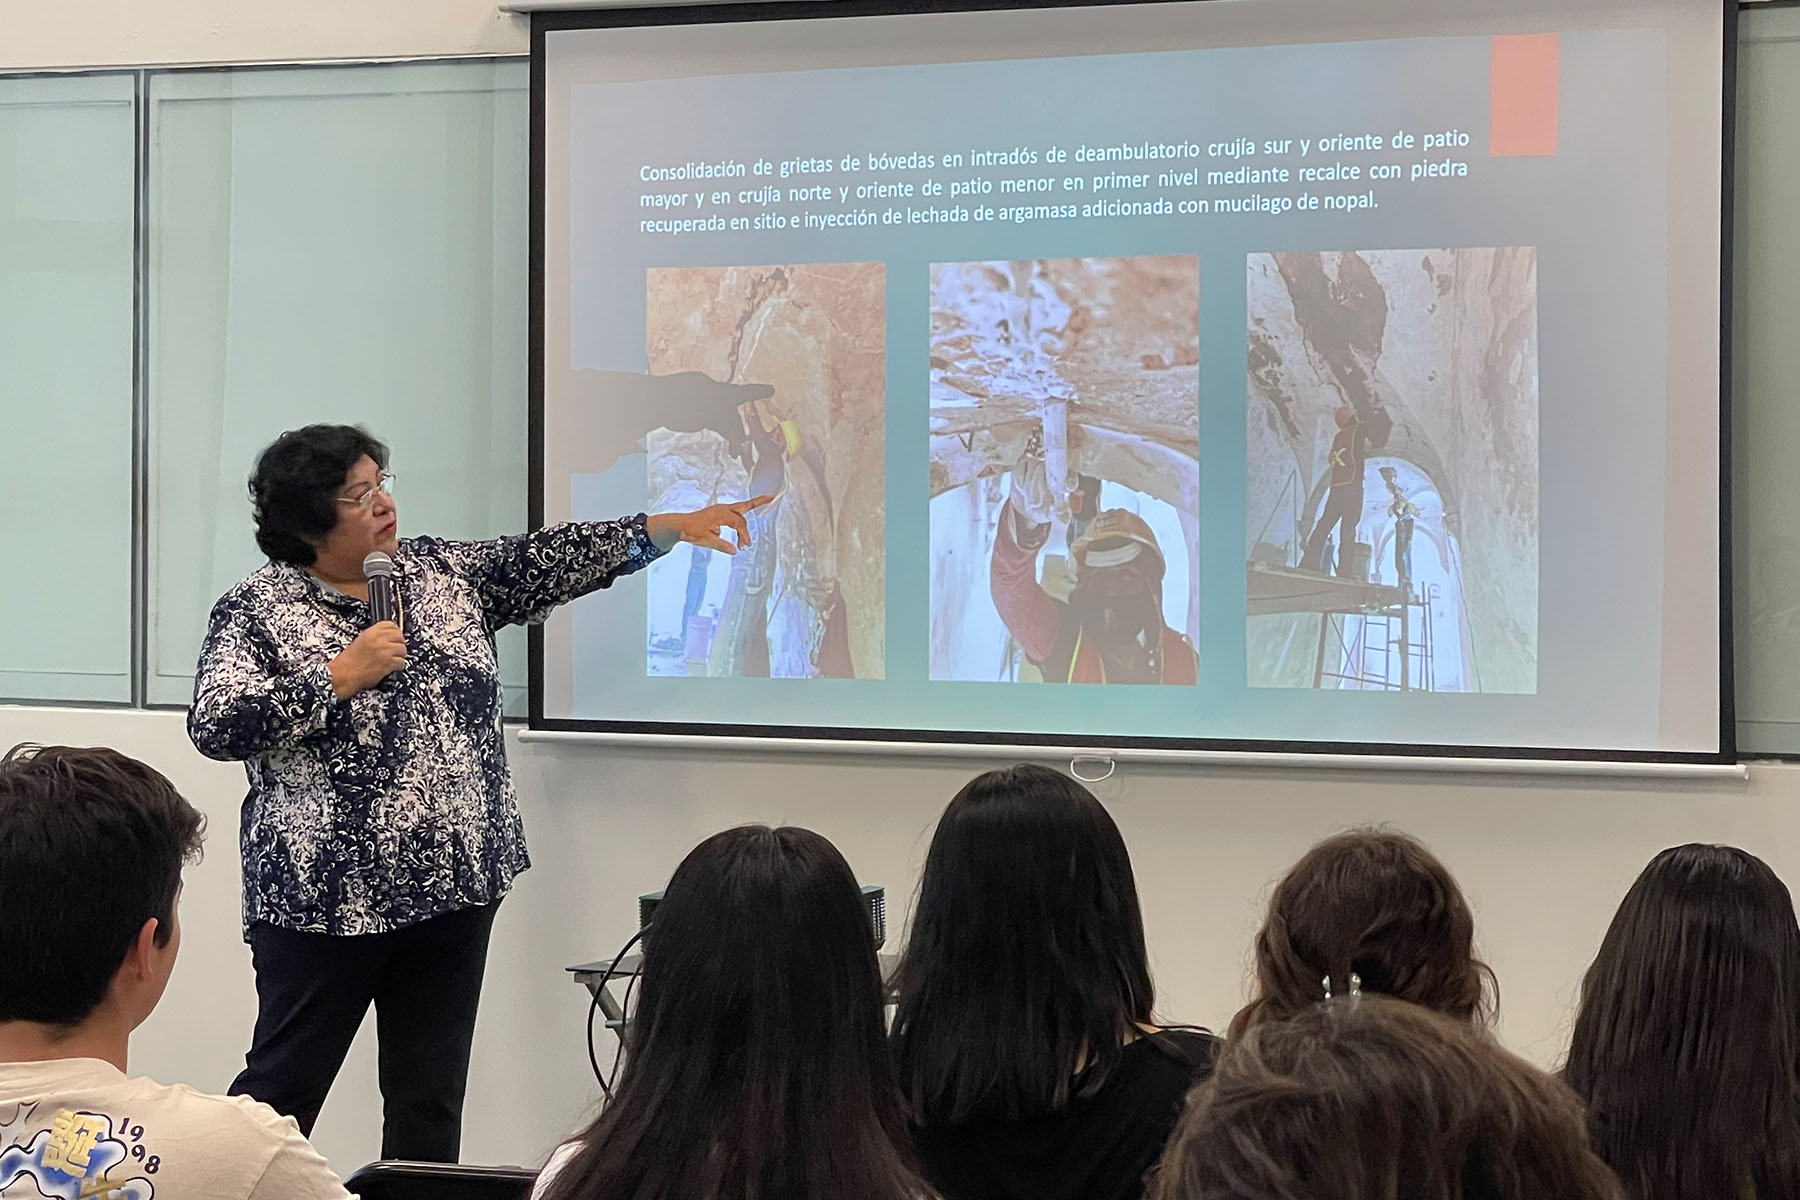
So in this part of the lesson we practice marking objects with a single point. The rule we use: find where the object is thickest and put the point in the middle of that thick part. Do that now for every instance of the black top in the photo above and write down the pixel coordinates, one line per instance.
(1099, 1148)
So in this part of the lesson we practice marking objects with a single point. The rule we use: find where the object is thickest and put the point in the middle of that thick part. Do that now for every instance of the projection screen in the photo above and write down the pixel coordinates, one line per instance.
(1232, 374)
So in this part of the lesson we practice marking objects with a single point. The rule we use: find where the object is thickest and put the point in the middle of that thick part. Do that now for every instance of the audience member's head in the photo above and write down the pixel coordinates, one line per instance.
(1026, 969)
(92, 844)
(1370, 1098)
(757, 1061)
(1377, 905)
(1687, 1040)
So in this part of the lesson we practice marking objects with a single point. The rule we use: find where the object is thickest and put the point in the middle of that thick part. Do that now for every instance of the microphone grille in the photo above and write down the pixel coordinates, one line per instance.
(377, 563)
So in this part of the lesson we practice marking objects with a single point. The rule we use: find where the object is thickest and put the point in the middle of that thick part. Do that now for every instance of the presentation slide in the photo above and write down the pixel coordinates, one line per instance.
(1198, 375)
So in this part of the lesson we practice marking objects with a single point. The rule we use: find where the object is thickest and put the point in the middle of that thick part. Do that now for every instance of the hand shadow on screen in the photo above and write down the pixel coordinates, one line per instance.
(627, 405)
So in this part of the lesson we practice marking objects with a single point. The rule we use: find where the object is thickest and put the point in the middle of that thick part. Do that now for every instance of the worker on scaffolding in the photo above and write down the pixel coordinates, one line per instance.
(1111, 628)
(1344, 502)
(1404, 512)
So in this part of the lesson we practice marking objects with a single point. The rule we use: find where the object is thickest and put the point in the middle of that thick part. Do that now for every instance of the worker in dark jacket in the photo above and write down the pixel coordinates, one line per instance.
(1344, 502)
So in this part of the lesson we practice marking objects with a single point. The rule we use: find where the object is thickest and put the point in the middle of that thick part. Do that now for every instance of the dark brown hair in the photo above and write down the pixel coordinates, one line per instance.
(91, 846)
(1370, 1098)
(1378, 905)
(1686, 1041)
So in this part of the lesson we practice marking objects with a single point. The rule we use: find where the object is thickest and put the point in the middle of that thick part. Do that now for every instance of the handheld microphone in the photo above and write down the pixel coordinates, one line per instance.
(384, 599)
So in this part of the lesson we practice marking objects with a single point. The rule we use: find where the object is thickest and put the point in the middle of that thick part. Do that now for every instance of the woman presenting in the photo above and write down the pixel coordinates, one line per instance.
(381, 829)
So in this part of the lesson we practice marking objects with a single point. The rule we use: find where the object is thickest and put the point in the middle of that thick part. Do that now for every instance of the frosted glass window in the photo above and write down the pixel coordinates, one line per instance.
(342, 244)
(66, 221)
(1766, 380)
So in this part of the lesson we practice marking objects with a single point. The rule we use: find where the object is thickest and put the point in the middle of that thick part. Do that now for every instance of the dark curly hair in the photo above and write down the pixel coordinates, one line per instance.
(1379, 905)
(291, 490)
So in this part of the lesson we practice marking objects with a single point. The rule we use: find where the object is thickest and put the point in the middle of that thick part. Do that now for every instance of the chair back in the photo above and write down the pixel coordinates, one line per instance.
(396, 1180)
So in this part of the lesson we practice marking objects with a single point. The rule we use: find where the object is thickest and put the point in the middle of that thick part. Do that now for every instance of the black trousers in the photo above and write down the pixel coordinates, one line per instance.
(312, 991)
(1343, 505)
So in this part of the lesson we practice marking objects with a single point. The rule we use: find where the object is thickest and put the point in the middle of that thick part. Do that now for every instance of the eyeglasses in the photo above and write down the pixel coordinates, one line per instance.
(385, 486)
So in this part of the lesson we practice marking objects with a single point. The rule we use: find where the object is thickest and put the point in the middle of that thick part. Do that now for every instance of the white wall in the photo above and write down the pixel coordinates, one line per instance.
(57, 34)
(1544, 862)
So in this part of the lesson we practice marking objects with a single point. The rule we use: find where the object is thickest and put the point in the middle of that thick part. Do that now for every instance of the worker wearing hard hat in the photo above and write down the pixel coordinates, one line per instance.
(1111, 628)
(1344, 498)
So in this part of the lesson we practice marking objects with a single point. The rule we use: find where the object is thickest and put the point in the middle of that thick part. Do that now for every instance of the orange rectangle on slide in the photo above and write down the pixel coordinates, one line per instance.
(1522, 95)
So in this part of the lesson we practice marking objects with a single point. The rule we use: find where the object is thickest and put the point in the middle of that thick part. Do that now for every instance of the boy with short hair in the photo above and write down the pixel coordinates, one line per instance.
(92, 844)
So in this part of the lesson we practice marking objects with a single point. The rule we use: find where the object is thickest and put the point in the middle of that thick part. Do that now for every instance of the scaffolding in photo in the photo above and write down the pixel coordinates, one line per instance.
(1390, 647)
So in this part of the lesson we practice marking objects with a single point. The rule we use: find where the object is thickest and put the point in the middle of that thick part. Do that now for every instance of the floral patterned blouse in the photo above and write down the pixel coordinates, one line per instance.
(396, 805)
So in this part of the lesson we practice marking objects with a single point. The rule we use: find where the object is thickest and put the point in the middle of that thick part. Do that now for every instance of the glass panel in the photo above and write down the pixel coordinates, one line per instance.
(66, 220)
(1766, 380)
(342, 244)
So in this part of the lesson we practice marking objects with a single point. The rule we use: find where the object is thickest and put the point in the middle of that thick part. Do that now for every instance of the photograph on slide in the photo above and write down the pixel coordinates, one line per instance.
(1392, 461)
(1065, 472)
(807, 599)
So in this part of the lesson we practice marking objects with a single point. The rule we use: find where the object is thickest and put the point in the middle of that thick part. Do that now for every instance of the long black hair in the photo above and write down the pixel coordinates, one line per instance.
(1026, 969)
(757, 1066)
(1685, 1047)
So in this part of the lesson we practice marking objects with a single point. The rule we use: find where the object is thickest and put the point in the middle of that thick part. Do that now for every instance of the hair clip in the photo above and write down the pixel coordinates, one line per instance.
(1326, 984)
(1355, 985)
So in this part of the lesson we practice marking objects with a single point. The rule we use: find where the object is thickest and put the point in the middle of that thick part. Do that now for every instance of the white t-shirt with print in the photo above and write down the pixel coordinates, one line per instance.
(81, 1129)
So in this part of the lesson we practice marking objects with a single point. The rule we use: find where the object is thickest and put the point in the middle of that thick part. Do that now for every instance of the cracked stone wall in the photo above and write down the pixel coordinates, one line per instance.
(1446, 342)
(1119, 340)
(816, 333)
(1118, 337)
